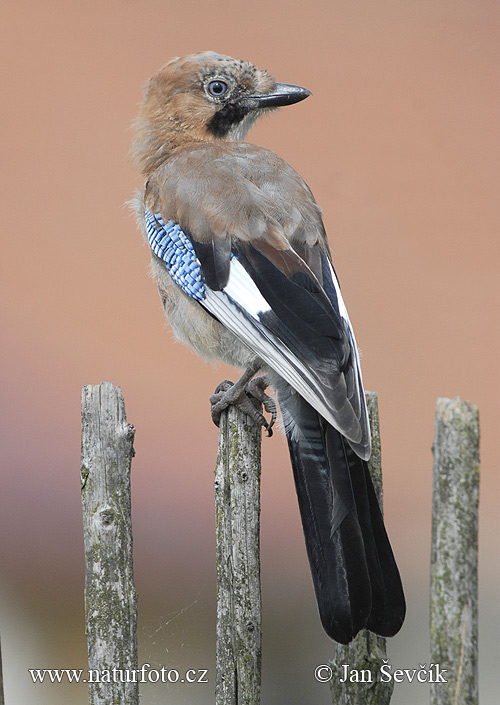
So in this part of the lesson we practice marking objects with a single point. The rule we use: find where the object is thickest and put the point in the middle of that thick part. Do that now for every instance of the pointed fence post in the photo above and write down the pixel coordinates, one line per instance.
(110, 596)
(455, 496)
(367, 652)
(237, 512)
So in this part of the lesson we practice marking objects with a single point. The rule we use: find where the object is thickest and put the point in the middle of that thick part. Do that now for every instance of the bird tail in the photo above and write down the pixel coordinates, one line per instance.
(354, 572)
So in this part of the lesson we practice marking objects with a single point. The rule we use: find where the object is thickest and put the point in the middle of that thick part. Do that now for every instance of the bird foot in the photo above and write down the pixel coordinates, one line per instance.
(243, 394)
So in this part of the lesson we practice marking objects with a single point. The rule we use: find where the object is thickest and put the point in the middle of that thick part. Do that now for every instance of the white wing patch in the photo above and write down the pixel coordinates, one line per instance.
(340, 300)
(242, 289)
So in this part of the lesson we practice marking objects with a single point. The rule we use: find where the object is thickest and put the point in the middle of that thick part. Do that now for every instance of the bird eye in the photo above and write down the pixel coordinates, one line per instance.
(217, 88)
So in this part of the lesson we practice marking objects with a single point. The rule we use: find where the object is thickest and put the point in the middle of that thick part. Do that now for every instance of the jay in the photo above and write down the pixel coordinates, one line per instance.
(245, 274)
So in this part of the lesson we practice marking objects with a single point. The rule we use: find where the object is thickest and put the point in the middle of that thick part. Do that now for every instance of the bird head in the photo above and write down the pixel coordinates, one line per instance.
(204, 97)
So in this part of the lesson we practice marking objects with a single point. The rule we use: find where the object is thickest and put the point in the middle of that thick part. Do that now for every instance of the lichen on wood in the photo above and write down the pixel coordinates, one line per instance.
(454, 552)
(110, 596)
(237, 511)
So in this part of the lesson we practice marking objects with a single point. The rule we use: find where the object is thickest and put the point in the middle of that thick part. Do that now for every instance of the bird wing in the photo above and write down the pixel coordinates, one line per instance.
(251, 251)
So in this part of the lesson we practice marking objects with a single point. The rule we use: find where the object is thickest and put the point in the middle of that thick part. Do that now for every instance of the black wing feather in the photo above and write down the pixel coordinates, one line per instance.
(214, 258)
(300, 311)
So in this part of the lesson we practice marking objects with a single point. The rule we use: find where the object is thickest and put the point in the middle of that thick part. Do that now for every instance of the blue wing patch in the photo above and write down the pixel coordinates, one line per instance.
(171, 245)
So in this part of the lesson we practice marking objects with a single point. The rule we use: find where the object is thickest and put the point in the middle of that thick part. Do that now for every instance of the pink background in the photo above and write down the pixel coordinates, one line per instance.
(400, 145)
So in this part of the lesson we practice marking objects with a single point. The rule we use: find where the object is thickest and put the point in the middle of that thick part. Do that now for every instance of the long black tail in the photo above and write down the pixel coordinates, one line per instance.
(354, 572)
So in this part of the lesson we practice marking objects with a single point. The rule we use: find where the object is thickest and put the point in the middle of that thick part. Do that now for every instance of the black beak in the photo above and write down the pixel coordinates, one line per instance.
(283, 94)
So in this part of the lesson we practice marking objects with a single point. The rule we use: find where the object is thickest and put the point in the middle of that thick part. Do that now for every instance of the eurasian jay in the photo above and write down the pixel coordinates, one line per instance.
(244, 271)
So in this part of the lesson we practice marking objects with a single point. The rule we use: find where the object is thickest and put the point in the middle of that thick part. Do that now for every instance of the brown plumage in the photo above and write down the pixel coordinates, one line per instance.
(270, 299)
(176, 108)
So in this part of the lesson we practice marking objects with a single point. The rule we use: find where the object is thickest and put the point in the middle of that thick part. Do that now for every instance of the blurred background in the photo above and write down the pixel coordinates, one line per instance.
(400, 145)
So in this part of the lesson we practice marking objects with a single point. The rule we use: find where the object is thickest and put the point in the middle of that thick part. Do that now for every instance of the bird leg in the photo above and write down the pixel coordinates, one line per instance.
(243, 394)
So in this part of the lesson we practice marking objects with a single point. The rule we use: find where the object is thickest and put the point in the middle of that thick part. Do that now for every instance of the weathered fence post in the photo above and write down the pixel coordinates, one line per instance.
(367, 652)
(455, 499)
(110, 597)
(237, 514)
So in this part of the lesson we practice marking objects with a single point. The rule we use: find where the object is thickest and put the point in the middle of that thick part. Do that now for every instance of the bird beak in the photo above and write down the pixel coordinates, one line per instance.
(283, 94)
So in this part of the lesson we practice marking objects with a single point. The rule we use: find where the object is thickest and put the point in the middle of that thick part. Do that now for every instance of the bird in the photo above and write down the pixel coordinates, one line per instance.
(245, 275)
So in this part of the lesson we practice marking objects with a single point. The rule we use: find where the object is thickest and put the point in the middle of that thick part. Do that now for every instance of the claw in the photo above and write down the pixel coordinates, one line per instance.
(243, 394)
(256, 388)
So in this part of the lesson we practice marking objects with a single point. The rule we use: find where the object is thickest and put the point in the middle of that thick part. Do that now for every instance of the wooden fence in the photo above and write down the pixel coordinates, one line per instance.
(111, 600)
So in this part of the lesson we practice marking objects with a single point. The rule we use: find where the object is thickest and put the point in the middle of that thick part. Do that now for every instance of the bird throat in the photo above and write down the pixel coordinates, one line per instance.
(232, 122)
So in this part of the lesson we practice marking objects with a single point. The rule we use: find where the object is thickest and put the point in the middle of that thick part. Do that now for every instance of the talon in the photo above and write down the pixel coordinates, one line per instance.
(224, 386)
(256, 388)
(243, 395)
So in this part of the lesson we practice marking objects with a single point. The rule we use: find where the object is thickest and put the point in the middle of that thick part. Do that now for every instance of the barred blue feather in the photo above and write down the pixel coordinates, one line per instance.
(171, 245)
